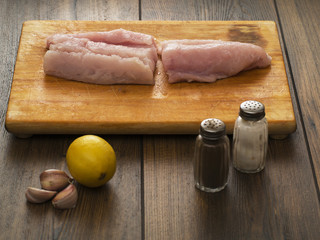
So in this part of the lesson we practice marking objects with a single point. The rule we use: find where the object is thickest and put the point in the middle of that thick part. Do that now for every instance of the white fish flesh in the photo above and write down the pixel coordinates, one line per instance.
(209, 60)
(114, 57)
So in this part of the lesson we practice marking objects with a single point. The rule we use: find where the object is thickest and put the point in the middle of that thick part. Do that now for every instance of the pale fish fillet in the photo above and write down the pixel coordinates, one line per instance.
(209, 60)
(117, 36)
(115, 57)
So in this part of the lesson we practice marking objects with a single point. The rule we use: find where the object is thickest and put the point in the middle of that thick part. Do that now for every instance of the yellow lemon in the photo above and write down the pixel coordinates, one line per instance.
(91, 160)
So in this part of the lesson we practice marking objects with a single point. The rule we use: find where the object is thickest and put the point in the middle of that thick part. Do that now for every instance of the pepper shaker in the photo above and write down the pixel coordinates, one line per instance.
(212, 156)
(250, 138)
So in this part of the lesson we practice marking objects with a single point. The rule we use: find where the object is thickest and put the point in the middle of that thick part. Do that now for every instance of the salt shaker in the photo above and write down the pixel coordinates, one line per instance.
(212, 156)
(250, 138)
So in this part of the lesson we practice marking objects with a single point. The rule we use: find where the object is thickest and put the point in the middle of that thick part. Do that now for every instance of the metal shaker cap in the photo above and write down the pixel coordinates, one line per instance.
(252, 110)
(212, 128)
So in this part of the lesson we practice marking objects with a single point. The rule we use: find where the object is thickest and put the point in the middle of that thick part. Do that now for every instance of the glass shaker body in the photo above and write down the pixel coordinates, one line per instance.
(211, 161)
(250, 141)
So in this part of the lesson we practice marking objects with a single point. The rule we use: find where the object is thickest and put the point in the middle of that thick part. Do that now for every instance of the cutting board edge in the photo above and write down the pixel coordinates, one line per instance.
(284, 128)
(155, 21)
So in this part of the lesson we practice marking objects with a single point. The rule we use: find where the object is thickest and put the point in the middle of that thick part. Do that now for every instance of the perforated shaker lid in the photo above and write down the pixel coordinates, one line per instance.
(252, 110)
(212, 128)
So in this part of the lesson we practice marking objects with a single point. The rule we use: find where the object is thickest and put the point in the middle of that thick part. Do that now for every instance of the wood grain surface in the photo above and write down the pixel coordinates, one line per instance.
(302, 48)
(44, 104)
(269, 205)
(152, 195)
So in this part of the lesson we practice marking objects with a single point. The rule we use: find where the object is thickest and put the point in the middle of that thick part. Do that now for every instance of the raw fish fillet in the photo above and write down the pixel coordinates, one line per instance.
(209, 60)
(114, 57)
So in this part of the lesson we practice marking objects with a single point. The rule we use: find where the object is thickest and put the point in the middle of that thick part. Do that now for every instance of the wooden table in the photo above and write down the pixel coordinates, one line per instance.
(152, 195)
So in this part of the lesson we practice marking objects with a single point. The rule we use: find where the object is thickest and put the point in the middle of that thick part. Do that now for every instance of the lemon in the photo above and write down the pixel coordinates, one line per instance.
(91, 160)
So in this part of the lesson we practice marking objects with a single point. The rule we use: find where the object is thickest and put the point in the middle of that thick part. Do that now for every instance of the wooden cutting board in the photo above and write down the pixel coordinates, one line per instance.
(41, 104)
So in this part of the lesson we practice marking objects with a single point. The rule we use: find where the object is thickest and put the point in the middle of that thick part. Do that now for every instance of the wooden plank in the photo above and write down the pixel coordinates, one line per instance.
(268, 205)
(281, 200)
(45, 104)
(303, 47)
(110, 212)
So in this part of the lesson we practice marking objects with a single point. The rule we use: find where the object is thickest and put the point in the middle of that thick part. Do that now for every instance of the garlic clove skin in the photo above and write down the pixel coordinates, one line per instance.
(67, 198)
(36, 195)
(54, 179)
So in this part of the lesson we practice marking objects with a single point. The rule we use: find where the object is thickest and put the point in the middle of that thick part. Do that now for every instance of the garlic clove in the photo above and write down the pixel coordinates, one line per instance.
(67, 198)
(54, 179)
(36, 195)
